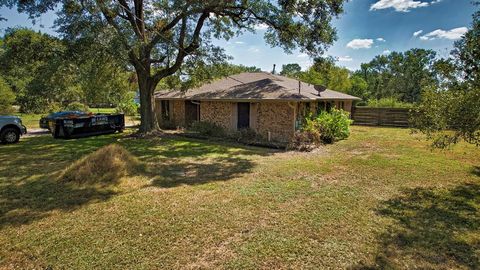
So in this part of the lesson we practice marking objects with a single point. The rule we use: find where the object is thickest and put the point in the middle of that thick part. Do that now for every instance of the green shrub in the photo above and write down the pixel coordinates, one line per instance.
(305, 140)
(33, 104)
(334, 125)
(246, 135)
(128, 108)
(207, 129)
(77, 106)
(388, 103)
(327, 127)
(54, 107)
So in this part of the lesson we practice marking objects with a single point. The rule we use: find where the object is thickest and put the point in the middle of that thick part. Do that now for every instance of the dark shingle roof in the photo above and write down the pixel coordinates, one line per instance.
(255, 86)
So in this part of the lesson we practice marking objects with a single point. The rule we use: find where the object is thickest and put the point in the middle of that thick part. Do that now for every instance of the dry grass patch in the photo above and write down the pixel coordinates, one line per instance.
(105, 166)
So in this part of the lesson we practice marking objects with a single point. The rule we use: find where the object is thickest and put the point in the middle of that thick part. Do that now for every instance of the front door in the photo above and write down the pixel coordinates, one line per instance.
(192, 113)
(243, 111)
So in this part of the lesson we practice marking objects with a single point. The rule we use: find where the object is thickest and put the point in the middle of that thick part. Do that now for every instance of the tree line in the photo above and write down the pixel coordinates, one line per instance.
(46, 73)
(398, 76)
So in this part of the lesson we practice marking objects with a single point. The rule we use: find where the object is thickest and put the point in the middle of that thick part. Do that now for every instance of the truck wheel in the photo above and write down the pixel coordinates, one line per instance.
(10, 135)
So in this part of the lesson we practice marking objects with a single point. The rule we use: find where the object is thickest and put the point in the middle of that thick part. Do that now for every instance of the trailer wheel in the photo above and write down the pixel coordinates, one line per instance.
(10, 135)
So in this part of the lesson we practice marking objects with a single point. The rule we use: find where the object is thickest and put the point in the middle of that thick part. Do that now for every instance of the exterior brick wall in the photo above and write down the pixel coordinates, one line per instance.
(177, 114)
(276, 117)
(218, 112)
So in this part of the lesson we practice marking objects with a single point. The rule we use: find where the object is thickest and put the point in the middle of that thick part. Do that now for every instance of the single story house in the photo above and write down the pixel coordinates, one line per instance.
(272, 105)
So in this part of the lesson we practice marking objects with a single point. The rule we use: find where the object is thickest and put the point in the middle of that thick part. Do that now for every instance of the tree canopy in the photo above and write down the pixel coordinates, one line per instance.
(46, 72)
(401, 75)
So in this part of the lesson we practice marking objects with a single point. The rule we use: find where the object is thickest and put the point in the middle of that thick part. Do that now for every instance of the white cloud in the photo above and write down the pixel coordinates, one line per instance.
(360, 44)
(302, 55)
(415, 34)
(453, 34)
(253, 49)
(381, 39)
(345, 58)
(239, 42)
(261, 26)
(401, 5)
(386, 52)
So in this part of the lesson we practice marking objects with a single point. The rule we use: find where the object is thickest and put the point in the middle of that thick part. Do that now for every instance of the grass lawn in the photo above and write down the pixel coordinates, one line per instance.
(380, 200)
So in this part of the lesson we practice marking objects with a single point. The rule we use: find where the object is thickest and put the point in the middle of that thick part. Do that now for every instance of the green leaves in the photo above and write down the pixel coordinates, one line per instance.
(399, 75)
(451, 113)
(7, 97)
(45, 72)
(332, 126)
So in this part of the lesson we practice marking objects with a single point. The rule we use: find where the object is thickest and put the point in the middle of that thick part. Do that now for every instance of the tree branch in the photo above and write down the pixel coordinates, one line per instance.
(130, 18)
(183, 52)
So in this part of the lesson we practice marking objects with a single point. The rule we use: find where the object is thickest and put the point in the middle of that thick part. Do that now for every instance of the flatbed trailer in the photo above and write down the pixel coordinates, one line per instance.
(89, 125)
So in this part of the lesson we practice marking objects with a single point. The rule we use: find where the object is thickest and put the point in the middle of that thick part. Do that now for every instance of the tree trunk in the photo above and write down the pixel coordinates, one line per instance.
(146, 86)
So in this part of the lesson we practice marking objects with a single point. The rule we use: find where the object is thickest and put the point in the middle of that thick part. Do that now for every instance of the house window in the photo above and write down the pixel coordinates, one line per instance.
(321, 107)
(192, 112)
(243, 115)
(328, 106)
(165, 107)
(341, 105)
(307, 108)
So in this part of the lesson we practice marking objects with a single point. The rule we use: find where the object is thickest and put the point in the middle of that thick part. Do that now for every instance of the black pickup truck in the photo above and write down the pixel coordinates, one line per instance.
(87, 125)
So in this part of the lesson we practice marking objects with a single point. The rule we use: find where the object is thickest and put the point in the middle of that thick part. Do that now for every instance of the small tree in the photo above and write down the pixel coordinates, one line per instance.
(7, 97)
(291, 70)
(451, 113)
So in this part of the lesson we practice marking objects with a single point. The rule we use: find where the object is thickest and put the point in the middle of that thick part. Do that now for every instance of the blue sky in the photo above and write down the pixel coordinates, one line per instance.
(367, 28)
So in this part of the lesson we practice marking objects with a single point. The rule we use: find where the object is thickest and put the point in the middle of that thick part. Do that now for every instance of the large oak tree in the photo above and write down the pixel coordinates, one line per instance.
(158, 37)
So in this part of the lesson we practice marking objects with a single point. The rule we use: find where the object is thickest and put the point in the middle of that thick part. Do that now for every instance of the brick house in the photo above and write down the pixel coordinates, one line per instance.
(272, 105)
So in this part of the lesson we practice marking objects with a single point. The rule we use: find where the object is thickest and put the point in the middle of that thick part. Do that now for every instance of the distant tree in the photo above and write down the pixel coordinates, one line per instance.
(159, 38)
(101, 82)
(359, 87)
(46, 72)
(325, 72)
(291, 70)
(311, 76)
(399, 75)
(338, 79)
(7, 97)
(28, 62)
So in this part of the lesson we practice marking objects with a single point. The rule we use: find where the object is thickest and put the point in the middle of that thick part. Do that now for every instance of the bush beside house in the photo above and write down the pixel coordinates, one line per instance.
(326, 128)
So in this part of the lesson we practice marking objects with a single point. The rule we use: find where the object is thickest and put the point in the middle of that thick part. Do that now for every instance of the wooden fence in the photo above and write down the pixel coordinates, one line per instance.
(393, 117)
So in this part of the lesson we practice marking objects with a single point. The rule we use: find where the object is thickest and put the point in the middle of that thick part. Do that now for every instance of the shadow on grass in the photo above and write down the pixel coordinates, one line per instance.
(176, 172)
(432, 230)
(25, 202)
(476, 171)
(29, 188)
(29, 171)
(184, 161)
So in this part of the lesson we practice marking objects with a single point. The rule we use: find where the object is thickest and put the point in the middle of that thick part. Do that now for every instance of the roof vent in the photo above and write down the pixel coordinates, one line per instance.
(320, 88)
